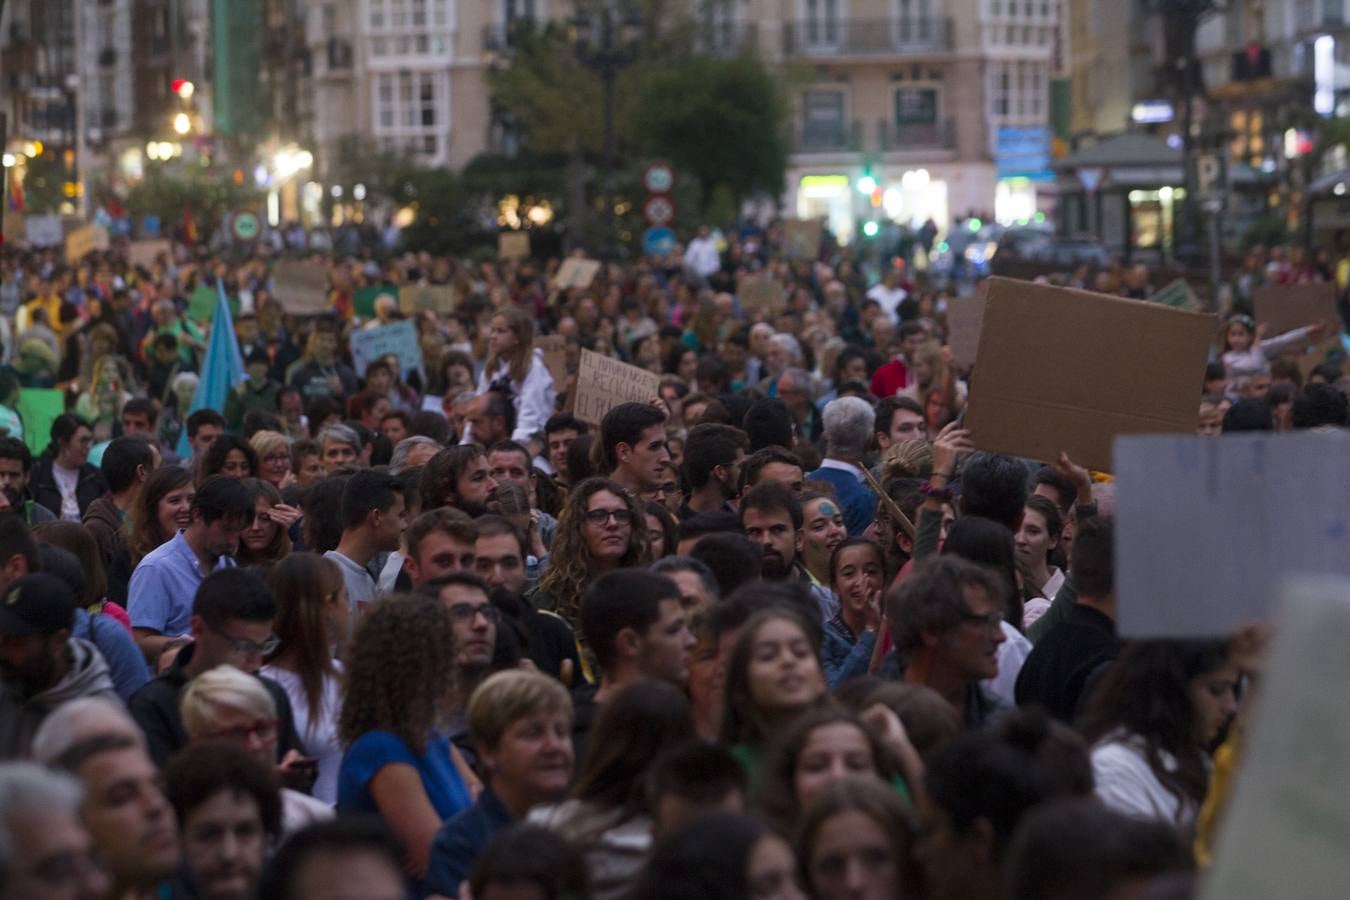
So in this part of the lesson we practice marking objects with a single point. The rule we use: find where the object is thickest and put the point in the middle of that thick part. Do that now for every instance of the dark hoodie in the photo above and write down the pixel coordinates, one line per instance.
(104, 521)
(19, 718)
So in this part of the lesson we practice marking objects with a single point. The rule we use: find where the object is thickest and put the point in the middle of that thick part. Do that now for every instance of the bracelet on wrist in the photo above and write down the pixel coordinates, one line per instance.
(935, 492)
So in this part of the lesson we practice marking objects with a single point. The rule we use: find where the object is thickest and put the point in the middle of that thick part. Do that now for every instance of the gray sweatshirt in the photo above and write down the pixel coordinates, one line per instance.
(19, 717)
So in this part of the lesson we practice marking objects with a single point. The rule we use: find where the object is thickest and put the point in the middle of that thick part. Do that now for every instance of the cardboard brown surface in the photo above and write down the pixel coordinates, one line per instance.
(1178, 295)
(415, 298)
(1062, 369)
(965, 315)
(603, 382)
(801, 238)
(1294, 306)
(144, 253)
(301, 288)
(576, 273)
(762, 296)
(554, 348)
(513, 245)
(83, 241)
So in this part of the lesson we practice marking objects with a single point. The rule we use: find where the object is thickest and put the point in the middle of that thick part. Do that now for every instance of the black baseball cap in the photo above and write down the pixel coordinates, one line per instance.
(36, 604)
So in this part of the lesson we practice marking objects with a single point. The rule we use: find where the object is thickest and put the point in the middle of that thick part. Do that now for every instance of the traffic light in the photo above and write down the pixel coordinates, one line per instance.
(183, 88)
(870, 228)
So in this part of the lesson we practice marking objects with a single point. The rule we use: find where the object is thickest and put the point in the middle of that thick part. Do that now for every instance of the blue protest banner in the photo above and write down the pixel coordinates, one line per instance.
(400, 339)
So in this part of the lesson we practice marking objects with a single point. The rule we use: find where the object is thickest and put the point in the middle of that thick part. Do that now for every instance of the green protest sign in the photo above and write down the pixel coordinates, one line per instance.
(38, 408)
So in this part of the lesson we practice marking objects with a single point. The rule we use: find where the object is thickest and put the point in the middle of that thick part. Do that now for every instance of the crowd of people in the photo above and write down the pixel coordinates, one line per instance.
(419, 631)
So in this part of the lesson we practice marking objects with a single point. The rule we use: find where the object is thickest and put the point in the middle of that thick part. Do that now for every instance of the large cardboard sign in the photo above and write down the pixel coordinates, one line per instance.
(1284, 826)
(1294, 306)
(1061, 369)
(414, 298)
(85, 240)
(1178, 295)
(43, 231)
(762, 296)
(1207, 527)
(400, 339)
(301, 288)
(801, 238)
(554, 350)
(513, 245)
(603, 383)
(576, 273)
(145, 253)
(965, 316)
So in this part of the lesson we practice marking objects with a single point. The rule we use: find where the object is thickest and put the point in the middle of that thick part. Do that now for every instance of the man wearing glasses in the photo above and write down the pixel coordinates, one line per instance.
(945, 620)
(231, 625)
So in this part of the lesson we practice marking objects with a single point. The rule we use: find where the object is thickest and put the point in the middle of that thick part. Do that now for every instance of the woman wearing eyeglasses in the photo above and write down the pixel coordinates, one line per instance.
(601, 528)
(274, 458)
(312, 621)
(227, 704)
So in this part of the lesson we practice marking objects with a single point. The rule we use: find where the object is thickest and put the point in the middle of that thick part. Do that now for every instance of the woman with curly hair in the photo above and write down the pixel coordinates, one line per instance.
(601, 528)
(399, 763)
(229, 455)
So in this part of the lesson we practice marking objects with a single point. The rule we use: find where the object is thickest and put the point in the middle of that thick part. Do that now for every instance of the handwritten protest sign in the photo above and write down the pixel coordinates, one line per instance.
(363, 301)
(801, 238)
(761, 296)
(83, 241)
(1265, 505)
(604, 382)
(554, 349)
(576, 273)
(965, 315)
(301, 288)
(1284, 825)
(513, 245)
(415, 298)
(145, 253)
(1061, 369)
(1178, 295)
(400, 339)
(1294, 306)
(43, 231)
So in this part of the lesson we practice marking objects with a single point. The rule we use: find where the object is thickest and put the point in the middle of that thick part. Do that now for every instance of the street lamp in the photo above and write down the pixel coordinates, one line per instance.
(182, 124)
(606, 43)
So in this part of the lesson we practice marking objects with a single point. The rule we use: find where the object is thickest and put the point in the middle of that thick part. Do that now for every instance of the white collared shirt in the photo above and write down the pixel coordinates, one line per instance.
(842, 466)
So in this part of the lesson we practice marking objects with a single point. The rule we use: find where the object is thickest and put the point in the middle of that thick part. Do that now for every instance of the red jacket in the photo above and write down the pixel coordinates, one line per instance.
(890, 379)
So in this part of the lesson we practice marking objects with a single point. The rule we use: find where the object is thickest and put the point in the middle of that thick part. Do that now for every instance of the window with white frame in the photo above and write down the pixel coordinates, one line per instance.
(1018, 92)
(412, 112)
(521, 11)
(408, 27)
(822, 24)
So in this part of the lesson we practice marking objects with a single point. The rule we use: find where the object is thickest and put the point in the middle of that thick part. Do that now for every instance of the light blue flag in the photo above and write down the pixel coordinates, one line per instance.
(222, 369)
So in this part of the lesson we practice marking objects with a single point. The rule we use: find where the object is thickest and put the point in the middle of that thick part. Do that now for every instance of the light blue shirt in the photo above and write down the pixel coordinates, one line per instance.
(164, 585)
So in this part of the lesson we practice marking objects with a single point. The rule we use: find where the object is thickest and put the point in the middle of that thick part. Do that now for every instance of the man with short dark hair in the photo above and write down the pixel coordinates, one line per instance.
(138, 417)
(510, 461)
(635, 624)
(394, 426)
(893, 377)
(769, 424)
(491, 417)
(16, 464)
(163, 583)
(631, 448)
(692, 780)
(459, 477)
(560, 431)
(899, 419)
(372, 523)
(771, 517)
(475, 621)
(713, 455)
(203, 427)
(1067, 661)
(772, 463)
(127, 462)
(440, 542)
(41, 665)
(232, 615)
(321, 373)
(345, 857)
(945, 620)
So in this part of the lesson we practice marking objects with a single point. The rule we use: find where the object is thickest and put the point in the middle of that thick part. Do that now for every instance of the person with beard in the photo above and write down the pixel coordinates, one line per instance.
(41, 664)
(459, 477)
(16, 464)
(372, 523)
(713, 454)
(126, 464)
(491, 419)
(771, 517)
(229, 812)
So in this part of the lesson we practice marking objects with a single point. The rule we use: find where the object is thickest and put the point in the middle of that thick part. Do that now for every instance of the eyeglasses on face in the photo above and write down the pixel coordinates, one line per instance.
(246, 648)
(602, 516)
(465, 612)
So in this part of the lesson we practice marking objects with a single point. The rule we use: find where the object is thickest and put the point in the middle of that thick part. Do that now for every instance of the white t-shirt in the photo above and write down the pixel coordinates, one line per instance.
(321, 737)
(67, 480)
(889, 298)
(1125, 783)
(1012, 653)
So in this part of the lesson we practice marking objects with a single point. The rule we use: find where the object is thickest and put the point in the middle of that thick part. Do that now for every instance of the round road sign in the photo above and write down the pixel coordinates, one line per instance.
(658, 241)
(658, 211)
(245, 225)
(659, 178)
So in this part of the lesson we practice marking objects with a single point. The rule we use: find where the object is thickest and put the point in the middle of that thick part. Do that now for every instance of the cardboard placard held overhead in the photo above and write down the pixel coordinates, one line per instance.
(801, 238)
(415, 298)
(513, 245)
(145, 253)
(1178, 295)
(965, 316)
(1068, 370)
(301, 288)
(576, 273)
(83, 241)
(1206, 527)
(400, 339)
(762, 296)
(1284, 823)
(554, 349)
(603, 383)
(1294, 306)
(43, 231)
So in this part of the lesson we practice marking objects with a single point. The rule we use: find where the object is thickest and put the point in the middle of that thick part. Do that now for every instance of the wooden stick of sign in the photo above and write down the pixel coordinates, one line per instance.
(891, 506)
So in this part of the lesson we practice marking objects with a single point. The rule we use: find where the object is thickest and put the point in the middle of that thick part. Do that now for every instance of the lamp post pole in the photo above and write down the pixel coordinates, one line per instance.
(606, 55)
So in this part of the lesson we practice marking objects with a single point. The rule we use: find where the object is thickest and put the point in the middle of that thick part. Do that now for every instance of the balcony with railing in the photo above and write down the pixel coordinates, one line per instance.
(893, 137)
(825, 36)
(841, 137)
